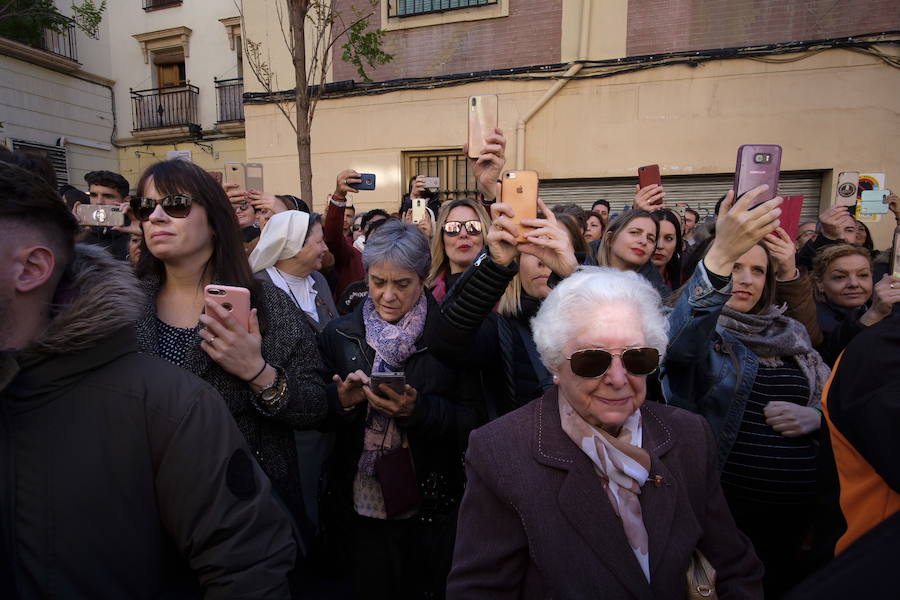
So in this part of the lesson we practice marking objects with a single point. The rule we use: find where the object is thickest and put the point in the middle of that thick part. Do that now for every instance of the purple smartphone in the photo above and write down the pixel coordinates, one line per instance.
(757, 164)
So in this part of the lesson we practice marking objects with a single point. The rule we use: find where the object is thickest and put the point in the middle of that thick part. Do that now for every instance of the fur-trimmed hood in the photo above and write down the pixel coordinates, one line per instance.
(99, 296)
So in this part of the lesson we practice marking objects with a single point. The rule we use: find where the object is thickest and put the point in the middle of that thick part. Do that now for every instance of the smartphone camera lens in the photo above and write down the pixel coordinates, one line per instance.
(762, 158)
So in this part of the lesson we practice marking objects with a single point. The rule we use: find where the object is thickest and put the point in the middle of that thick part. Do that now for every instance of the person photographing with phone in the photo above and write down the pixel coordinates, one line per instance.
(767, 380)
(397, 474)
(266, 372)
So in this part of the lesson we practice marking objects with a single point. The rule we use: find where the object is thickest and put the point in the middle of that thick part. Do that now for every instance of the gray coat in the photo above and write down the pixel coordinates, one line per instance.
(286, 343)
(535, 521)
(324, 302)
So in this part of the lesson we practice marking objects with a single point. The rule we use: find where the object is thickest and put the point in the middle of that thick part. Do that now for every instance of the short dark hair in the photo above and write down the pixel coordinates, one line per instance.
(693, 212)
(375, 212)
(600, 203)
(70, 194)
(32, 162)
(108, 179)
(27, 199)
(574, 211)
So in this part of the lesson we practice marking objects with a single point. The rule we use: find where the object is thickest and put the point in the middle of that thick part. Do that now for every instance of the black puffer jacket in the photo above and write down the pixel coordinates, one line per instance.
(122, 475)
(486, 345)
(447, 409)
(286, 343)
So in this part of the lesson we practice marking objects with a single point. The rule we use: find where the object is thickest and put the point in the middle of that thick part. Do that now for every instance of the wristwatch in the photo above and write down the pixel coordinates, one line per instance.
(273, 392)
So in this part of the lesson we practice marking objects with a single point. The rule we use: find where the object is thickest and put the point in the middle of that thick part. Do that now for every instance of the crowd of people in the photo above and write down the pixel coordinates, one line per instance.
(460, 404)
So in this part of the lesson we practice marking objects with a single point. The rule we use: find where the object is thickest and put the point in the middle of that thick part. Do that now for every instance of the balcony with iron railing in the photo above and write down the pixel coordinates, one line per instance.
(53, 47)
(230, 104)
(169, 112)
(61, 41)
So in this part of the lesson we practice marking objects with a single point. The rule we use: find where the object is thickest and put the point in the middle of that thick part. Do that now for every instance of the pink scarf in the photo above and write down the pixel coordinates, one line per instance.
(623, 467)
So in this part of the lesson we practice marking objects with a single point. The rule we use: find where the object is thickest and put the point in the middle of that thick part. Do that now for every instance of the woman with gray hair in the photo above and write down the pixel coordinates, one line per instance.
(588, 492)
(401, 419)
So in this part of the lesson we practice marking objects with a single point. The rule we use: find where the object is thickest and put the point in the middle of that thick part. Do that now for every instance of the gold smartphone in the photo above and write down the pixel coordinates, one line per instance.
(482, 122)
(519, 190)
(236, 173)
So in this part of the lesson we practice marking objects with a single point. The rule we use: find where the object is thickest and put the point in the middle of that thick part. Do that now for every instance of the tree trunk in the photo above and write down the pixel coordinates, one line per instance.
(297, 10)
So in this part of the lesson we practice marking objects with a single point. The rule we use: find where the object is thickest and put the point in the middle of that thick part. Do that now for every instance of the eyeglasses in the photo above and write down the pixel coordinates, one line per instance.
(240, 206)
(594, 362)
(177, 206)
(454, 228)
(357, 228)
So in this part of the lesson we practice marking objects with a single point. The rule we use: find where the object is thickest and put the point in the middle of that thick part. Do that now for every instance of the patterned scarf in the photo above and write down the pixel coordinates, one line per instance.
(772, 336)
(623, 467)
(393, 343)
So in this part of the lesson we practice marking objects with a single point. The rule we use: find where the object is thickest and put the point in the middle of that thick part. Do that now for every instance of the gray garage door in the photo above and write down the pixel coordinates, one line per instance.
(700, 192)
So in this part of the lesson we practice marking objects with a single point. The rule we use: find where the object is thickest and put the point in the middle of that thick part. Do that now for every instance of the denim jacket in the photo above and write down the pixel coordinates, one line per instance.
(707, 370)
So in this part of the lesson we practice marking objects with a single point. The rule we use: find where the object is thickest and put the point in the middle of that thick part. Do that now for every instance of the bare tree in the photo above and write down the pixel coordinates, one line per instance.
(362, 48)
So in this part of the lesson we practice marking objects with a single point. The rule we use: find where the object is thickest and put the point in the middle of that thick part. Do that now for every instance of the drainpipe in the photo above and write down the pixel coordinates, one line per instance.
(583, 38)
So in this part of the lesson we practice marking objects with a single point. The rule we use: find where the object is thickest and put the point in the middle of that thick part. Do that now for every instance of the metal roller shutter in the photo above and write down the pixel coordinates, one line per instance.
(55, 155)
(700, 192)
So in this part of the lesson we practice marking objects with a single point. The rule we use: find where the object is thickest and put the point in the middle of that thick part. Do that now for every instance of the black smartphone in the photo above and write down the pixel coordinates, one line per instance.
(367, 183)
(396, 381)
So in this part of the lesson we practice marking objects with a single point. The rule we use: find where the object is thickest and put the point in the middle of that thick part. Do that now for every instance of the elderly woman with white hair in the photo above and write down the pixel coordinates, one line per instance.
(397, 475)
(589, 492)
(289, 255)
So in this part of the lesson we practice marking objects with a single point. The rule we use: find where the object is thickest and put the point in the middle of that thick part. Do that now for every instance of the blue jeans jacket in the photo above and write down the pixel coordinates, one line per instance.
(706, 369)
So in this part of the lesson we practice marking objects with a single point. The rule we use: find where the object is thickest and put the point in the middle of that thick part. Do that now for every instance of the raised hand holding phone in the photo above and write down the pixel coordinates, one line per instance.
(501, 238)
(740, 225)
(649, 198)
(234, 348)
(550, 243)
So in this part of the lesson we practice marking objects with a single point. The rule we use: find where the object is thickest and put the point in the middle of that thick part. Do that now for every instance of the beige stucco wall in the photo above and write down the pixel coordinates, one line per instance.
(834, 111)
(133, 160)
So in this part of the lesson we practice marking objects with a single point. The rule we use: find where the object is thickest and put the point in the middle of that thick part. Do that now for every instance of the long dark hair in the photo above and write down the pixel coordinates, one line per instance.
(228, 264)
(673, 267)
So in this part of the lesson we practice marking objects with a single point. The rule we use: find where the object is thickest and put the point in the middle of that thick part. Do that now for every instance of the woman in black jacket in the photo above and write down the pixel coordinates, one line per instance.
(397, 477)
(497, 347)
(267, 375)
(848, 298)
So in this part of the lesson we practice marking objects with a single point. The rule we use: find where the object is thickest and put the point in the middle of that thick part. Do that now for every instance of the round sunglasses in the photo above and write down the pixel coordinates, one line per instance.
(454, 228)
(177, 206)
(595, 362)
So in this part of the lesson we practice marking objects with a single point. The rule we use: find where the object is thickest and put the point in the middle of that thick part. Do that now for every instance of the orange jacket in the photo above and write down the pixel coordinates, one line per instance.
(866, 500)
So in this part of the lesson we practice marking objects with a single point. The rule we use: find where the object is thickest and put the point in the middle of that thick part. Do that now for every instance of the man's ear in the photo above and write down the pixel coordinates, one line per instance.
(36, 267)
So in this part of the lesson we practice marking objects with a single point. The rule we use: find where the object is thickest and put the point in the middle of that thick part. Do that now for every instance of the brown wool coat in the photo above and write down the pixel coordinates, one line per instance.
(535, 521)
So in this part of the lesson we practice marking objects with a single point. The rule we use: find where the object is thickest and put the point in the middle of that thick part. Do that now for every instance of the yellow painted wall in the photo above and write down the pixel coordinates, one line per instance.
(133, 160)
(836, 110)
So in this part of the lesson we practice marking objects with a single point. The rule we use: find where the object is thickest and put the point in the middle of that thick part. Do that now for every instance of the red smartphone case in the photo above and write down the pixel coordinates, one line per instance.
(790, 215)
(649, 175)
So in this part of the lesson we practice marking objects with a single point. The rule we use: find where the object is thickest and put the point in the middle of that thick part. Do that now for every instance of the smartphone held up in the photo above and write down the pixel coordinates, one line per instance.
(757, 164)
(100, 215)
(482, 122)
(519, 190)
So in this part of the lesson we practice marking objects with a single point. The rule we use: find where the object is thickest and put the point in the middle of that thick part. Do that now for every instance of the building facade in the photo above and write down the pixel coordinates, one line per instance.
(178, 68)
(56, 99)
(589, 90)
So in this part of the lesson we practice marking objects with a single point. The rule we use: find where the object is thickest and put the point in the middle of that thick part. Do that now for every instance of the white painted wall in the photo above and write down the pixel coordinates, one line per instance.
(41, 105)
(209, 52)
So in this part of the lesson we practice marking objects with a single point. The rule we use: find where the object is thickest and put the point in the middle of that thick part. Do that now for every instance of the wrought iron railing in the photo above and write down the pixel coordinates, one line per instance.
(61, 42)
(154, 4)
(229, 99)
(408, 8)
(165, 107)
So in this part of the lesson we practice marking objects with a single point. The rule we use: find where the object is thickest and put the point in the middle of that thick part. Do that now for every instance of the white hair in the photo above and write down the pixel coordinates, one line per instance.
(562, 314)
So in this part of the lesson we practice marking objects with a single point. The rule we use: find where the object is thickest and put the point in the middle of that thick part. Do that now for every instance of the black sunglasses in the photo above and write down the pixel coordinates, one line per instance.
(177, 206)
(454, 228)
(595, 362)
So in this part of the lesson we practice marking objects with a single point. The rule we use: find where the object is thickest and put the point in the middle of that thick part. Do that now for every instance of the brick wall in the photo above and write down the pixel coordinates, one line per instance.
(676, 25)
(530, 35)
